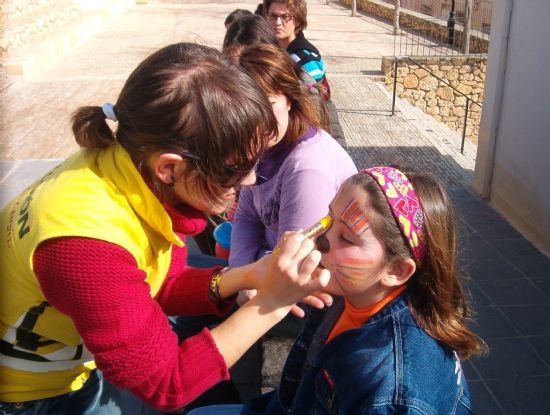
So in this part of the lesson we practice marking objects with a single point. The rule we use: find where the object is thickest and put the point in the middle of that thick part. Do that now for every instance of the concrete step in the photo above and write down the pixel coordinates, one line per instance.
(37, 54)
(27, 25)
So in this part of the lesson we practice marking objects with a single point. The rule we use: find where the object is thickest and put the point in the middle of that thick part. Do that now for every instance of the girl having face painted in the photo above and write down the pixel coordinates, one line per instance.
(393, 340)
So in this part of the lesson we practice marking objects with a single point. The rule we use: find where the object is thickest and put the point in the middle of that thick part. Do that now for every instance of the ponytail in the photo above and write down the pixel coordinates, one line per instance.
(90, 128)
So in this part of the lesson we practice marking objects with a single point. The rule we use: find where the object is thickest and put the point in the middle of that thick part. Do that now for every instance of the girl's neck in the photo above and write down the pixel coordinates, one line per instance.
(371, 297)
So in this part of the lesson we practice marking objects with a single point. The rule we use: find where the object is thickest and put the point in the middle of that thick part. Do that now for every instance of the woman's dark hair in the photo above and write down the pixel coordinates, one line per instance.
(248, 30)
(273, 71)
(234, 16)
(297, 8)
(188, 100)
(436, 296)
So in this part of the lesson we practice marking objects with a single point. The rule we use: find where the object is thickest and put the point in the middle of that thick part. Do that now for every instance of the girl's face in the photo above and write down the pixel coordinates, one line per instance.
(281, 108)
(354, 256)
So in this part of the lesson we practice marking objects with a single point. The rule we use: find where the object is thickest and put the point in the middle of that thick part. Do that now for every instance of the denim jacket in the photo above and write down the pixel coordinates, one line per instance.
(389, 365)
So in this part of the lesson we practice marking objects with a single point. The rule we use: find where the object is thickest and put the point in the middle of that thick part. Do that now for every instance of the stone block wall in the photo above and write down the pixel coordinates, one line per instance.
(26, 21)
(435, 28)
(419, 85)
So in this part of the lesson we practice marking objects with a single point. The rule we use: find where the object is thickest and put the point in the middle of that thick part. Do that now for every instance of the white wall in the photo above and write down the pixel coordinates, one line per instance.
(513, 162)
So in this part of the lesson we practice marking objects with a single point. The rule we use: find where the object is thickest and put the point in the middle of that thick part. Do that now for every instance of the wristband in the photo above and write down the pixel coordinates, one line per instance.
(214, 288)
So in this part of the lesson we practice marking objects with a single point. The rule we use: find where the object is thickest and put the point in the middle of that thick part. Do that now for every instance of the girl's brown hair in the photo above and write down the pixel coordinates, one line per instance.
(436, 296)
(188, 100)
(297, 8)
(273, 71)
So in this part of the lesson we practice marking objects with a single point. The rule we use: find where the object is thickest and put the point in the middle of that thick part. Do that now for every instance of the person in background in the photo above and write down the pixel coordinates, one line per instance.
(254, 29)
(394, 338)
(93, 255)
(234, 16)
(301, 170)
(248, 30)
(288, 19)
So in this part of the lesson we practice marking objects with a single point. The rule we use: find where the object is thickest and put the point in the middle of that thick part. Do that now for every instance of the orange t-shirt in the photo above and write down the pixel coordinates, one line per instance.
(354, 317)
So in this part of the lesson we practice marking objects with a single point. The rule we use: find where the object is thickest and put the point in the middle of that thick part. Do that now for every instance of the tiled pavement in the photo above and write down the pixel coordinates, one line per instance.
(509, 278)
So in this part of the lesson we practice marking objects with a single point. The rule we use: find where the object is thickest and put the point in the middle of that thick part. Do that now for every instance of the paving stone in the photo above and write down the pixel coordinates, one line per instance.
(512, 292)
(542, 346)
(529, 319)
(543, 284)
(485, 263)
(524, 256)
(490, 323)
(477, 296)
(522, 395)
(482, 400)
(510, 358)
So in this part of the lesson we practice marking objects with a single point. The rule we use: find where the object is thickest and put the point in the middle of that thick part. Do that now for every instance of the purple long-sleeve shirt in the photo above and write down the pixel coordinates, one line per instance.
(295, 195)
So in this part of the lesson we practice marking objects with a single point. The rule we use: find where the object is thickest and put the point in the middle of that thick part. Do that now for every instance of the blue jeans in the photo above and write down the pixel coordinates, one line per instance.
(217, 410)
(97, 397)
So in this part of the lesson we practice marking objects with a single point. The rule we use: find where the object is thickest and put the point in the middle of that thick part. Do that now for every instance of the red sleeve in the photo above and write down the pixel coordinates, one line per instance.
(185, 290)
(98, 285)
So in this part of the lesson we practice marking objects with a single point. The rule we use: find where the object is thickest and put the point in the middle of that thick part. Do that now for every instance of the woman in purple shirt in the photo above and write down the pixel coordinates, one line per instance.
(300, 172)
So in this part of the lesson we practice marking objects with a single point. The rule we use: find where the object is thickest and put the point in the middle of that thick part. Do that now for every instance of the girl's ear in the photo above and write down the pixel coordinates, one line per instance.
(166, 167)
(399, 272)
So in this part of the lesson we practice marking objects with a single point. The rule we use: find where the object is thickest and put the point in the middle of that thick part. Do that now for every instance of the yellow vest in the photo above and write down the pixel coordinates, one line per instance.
(94, 194)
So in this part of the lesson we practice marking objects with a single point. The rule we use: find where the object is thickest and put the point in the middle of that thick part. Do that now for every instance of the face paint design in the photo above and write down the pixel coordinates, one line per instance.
(354, 218)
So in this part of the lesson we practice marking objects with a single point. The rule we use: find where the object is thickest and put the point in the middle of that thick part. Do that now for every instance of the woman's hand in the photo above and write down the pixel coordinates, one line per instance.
(291, 274)
(283, 278)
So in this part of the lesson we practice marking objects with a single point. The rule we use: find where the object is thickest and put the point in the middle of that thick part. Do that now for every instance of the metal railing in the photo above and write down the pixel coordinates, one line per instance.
(437, 40)
(469, 101)
(441, 9)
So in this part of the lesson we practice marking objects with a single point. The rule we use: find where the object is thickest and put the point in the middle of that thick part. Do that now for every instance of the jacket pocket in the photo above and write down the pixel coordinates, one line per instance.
(326, 401)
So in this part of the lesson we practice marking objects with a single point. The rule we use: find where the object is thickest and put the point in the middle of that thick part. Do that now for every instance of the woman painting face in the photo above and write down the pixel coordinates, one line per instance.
(185, 188)
(353, 254)
(281, 108)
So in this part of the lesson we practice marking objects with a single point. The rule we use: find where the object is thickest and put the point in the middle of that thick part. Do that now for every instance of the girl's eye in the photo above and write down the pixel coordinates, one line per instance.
(346, 240)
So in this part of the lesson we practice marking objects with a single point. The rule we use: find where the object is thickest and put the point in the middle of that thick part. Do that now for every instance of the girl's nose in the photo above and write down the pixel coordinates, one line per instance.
(322, 244)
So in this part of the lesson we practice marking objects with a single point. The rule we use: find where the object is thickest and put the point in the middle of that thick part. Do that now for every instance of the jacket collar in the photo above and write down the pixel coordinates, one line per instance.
(301, 43)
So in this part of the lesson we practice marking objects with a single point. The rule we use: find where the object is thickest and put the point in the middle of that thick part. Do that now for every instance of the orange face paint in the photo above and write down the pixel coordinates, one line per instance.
(354, 218)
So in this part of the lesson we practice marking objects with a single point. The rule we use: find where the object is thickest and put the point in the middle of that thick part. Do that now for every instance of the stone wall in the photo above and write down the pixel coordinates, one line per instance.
(26, 21)
(466, 75)
(435, 28)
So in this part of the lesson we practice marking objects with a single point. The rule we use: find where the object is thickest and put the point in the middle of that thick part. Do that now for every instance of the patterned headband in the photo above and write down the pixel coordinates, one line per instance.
(405, 206)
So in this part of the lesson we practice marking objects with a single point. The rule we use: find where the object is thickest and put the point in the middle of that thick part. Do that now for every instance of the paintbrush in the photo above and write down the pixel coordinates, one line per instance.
(318, 228)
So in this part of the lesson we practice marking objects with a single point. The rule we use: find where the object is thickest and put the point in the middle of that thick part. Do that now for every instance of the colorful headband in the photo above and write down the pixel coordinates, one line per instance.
(405, 206)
